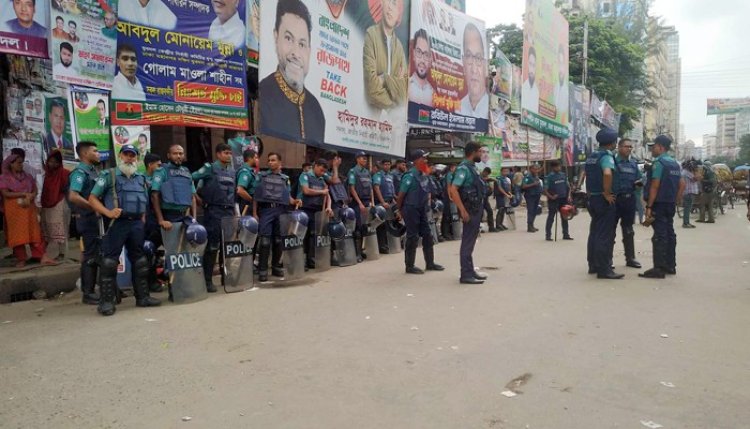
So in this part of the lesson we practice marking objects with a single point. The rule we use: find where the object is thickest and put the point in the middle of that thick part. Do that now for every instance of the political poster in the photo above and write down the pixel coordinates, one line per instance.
(24, 26)
(34, 114)
(497, 116)
(253, 30)
(83, 41)
(579, 123)
(723, 106)
(449, 70)
(544, 88)
(89, 110)
(326, 75)
(502, 77)
(58, 132)
(194, 75)
(491, 153)
(137, 135)
(515, 95)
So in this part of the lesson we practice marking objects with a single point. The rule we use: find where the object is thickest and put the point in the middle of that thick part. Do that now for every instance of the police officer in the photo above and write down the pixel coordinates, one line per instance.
(600, 166)
(125, 200)
(532, 191)
(247, 179)
(398, 172)
(336, 185)
(360, 188)
(152, 162)
(626, 175)
(313, 192)
(664, 186)
(467, 191)
(385, 193)
(445, 224)
(413, 203)
(218, 193)
(502, 197)
(272, 197)
(557, 191)
(436, 194)
(489, 184)
(82, 181)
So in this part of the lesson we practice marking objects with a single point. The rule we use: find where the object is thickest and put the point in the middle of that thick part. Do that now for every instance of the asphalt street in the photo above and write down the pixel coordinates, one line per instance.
(370, 347)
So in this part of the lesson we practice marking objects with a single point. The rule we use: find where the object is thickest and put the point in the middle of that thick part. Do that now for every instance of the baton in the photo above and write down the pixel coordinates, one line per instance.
(114, 195)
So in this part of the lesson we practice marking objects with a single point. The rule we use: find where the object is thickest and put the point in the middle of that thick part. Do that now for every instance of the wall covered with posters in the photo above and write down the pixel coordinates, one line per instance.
(326, 77)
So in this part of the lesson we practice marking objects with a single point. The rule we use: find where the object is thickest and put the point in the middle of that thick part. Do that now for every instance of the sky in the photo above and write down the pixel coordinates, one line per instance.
(714, 47)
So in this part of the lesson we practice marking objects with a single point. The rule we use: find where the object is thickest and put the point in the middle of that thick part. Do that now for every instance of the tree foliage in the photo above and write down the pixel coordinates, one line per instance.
(744, 155)
(509, 40)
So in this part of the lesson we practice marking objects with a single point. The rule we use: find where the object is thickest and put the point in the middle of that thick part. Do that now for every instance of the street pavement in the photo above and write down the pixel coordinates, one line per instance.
(370, 347)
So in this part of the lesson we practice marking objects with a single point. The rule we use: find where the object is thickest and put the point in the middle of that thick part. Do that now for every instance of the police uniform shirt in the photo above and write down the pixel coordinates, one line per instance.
(352, 176)
(160, 176)
(288, 182)
(605, 162)
(448, 179)
(550, 180)
(304, 180)
(79, 177)
(247, 179)
(104, 183)
(377, 178)
(463, 175)
(409, 181)
(207, 170)
(657, 168)
(528, 180)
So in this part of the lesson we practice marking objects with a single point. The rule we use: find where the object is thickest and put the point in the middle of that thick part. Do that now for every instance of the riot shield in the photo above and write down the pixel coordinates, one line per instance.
(322, 242)
(372, 250)
(432, 217)
(184, 263)
(457, 227)
(292, 241)
(394, 240)
(345, 254)
(237, 255)
(512, 217)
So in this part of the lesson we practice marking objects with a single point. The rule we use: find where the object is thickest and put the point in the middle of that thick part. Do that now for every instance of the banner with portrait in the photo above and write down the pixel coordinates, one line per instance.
(89, 110)
(137, 135)
(83, 40)
(24, 27)
(492, 150)
(253, 30)
(544, 88)
(502, 77)
(579, 123)
(724, 106)
(327, 78)
(515, 95)
(58, 131)
(448, 74)
(194, 75)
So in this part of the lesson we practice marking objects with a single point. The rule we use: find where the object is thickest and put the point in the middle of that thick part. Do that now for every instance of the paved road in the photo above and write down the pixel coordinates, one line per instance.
(369, 347)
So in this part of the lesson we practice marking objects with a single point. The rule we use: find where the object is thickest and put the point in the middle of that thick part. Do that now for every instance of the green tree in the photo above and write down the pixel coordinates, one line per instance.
(509, 40)
(744, 149)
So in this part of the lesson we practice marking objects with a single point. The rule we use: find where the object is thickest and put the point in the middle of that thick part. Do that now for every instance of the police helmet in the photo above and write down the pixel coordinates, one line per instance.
(437, 206)
(249, 224)
(395, 228)
(515, 202)
(196, 234)
(149, 248)
(336, 230)
(188, 220)
(378, 212)
(348, 214)
(300, 217)
(538, 209)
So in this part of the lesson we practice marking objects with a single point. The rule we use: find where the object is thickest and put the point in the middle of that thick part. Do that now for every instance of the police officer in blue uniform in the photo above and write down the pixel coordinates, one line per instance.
(272, 198)
(467, 191)
(532, 191)
(152, 162)
(445, 222)
(600, 167)
(125, 200)
(413, 202)
(360, 188)
(503, 196)
(247, 178)
(557, 191)
(218, 193)
(313, 192)
(626, 176)
(385, 194)
(398, 172)
(664, 186)
(337, 187)
(82, 181)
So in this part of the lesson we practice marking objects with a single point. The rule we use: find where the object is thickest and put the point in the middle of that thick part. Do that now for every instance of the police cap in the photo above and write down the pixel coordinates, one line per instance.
(606, 136)
(129, 148)
(662, 140)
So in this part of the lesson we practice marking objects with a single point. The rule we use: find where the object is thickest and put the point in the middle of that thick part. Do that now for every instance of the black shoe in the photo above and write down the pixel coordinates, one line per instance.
(710, 221)
(494, 230)
(440, 239)
(210, 288)
(359, 259)
(671, 272)
(610, 275)
(310, 265)
(548, 238)
(106, 308)
(262, 278)
(155, 288)
(364, 255)
(471, 281)
(149, 302)
(633, 264)
(567, 237)
(653, 273)
(530, 229)
(383, 250)
(535, 229)
(478, 276)
(700, 221)
(277, 272)
(414, 270)
(688, 225)
(90, 299)
(435, 267)
(592, 271)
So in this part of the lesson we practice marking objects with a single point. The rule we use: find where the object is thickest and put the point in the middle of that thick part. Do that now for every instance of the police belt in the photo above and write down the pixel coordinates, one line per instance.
(173, 212)
(270, 205)
(625, 195)
(130, 216)
(219, 206)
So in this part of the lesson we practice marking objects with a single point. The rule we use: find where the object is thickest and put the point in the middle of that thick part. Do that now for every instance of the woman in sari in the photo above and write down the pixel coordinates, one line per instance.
(54, 206)
(22, 227)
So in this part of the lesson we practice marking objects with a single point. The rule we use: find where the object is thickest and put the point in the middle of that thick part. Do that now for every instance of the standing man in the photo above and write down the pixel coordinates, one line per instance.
(272, 196)
(532, 191)
(445, 224)
(82, 181)
(414, 202)
(398, 172)
(466, 191)
(489, 184)
(626, 175)
(336, 185)
(691, 192)
(125, 202)
(384, 59)
(385, 193)
(360, 188)
(247, 179)
(152, 232)
(502, 197)
(664, 187)
(557, 191)
(600, 166)
(172, 192)
(218, 194)
(708, 194)
(313, 192)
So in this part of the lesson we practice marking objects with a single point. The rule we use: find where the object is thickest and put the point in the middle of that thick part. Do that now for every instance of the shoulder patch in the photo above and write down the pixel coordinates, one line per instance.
(79, 179)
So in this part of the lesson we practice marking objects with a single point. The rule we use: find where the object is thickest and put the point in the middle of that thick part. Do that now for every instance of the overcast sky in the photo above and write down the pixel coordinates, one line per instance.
(714, 46)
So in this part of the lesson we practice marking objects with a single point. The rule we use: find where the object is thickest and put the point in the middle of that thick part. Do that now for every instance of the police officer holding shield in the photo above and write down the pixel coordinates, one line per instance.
(385, 192)
(82, 181)
(247, 179)
(218, 192)
(557, 191)
(600, 167)
(360, 188)
(626, 175)
(413, 202)
(272, 197)
(313, 192)
(125, 198)
(664, 186)
(336, 185)
(467, 191)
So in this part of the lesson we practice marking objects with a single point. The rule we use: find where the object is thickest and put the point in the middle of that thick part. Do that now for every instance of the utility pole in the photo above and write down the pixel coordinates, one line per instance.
(585, 51)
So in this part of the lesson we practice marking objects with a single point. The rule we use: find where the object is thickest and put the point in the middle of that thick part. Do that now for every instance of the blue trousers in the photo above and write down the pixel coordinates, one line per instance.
(417, 225)
(124, 232)
(468, 241)
(532, 201)
(664, 240)
(601, 233)
(88, 226)
(554, 207)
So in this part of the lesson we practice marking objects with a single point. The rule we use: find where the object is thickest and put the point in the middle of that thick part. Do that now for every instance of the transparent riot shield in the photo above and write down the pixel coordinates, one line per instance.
(457, 227)
(372, 250)
(322, 242)
(432, 217)
(344, 253)
(394, 238)
(237, 255)
(292, 242)
(184, 263)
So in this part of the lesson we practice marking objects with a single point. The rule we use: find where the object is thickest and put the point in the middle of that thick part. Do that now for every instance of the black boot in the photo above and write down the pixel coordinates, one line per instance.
(264, 251)
(670, 257)
(140, 285)
(277, 269)
(429, 258)
(209, 260)
(310, 257)
(491, 222)
(89, 270)
(358, 244)
(107, 287)
(410, 255)
(629, 245)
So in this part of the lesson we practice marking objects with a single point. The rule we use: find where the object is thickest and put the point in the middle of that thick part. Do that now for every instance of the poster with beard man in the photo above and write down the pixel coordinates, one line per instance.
(137, 135)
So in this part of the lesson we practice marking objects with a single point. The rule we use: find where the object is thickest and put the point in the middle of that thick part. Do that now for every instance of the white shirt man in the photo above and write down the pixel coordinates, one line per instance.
(561, 102)
(482, 109)
(122, 89)
(420, 91)
(530, 97)
(155, 14)
(59, 70)
(232, 31)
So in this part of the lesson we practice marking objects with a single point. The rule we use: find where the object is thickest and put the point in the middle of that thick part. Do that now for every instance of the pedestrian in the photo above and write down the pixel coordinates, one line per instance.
(503, 197)
(272, 198)
(557, 191)
(532, 192)
(313, 192)
(467, 191)
(600, 167)
(125, 199)
(360, 188)
(18, 189)
(624, 181)
(664, 189)
(247, 179)
(414, 206)
(489, 184)
(55, 210)
(385, 194)
(445, 223)
(88, 223)
(708, 194)
(218, 194)
(691, 192)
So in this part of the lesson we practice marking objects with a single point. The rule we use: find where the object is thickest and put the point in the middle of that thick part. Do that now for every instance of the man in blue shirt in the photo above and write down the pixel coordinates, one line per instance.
(24, 24)
(557, 191)
(360, 188)
(626, 176)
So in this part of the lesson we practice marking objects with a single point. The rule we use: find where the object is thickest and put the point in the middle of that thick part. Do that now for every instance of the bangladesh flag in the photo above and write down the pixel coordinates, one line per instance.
(128, 110)
(424, 115)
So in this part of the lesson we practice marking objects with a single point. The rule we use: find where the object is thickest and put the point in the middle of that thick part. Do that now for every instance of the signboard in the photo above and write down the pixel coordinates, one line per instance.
(137, 135)
(89, 110)
(326, 77)
(448, 73)
(544, 90)
(194, 75)
(253, 30)
(722, 106)
(579, 123)
(502, 78)
(83, 42)
(24, 27)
